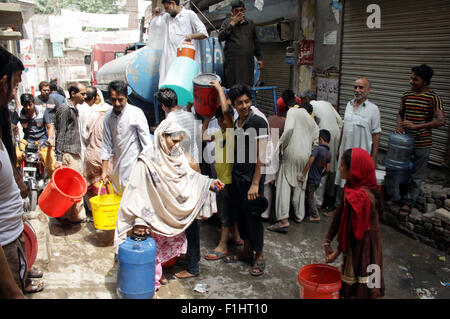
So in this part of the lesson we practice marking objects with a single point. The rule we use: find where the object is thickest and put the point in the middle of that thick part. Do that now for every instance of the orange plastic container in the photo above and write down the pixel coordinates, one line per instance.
(187, 49)
(319, 281)
(66, 187)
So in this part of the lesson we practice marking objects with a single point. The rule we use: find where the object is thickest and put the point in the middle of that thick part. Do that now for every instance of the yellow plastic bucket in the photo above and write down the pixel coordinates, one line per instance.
(105, 209)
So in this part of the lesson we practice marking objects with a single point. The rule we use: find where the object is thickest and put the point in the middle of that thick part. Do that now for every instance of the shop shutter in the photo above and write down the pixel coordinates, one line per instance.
(412, 32)
(275, 72)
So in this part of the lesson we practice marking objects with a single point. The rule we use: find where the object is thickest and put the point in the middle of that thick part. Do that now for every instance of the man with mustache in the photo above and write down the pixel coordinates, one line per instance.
(180, 24)
(361, 125)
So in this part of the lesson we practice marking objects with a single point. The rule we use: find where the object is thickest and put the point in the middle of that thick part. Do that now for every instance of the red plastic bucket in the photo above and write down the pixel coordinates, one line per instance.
(31, 243)
(66, 187)
(206, 97)
(319, 281)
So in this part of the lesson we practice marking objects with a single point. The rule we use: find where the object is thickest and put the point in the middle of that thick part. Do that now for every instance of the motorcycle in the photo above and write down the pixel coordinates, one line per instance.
(34, 174)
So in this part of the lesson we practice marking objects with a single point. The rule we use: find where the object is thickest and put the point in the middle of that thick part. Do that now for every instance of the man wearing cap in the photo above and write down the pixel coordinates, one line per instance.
(181, 25)
(241, 45)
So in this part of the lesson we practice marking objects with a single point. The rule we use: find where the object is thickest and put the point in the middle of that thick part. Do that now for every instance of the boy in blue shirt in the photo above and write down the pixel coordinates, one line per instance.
(318, 166)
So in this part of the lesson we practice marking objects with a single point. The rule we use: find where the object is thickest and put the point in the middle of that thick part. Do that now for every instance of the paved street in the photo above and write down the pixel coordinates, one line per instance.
(79, 263)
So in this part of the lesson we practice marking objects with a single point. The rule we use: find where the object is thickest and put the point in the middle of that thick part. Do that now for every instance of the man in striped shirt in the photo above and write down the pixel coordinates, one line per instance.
(421, 110)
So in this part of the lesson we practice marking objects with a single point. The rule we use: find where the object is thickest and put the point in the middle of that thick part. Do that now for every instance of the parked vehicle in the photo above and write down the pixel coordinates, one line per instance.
(34, 175)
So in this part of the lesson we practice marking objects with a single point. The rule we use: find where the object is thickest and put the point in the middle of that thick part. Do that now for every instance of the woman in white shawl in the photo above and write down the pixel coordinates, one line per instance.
(165, 195)
(300, 133)
(92, 160)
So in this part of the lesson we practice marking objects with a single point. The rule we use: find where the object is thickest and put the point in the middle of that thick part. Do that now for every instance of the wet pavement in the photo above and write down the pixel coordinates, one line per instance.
(79, 264)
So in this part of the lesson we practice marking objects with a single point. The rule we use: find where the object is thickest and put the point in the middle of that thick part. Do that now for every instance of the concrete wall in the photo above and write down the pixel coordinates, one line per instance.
(326, 56)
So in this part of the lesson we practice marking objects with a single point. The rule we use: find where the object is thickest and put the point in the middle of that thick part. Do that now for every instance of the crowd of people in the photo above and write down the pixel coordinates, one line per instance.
(304, 156)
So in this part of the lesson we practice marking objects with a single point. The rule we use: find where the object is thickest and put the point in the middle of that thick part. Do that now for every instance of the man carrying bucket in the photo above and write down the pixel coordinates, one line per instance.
(125, 135)
(68, 145)
(182, 25)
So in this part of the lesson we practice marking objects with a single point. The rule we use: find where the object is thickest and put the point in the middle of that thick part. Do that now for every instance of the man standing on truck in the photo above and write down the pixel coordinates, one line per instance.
(180, 24)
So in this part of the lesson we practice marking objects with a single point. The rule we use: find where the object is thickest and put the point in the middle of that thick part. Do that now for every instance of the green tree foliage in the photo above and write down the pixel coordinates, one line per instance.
(89, 6)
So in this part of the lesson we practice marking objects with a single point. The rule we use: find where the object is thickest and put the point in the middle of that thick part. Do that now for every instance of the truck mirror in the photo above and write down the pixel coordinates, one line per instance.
(87, 59)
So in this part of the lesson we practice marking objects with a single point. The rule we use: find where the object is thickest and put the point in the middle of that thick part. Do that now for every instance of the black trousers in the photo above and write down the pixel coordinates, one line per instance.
(249, 223)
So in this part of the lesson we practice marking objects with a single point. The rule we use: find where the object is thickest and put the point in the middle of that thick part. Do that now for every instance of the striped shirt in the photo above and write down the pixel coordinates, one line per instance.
(67, 130)
(419, 109)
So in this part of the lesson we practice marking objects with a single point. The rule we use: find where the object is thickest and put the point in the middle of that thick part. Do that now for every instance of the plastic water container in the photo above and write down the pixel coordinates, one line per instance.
(137, 262)
(399, 152)
(206, 97)
(181, 74)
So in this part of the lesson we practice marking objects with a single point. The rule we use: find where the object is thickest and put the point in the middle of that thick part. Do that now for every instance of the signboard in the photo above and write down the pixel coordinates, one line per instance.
(58, 50)
(107, 21)
(27, 51)
(306, 52)
(327, 90)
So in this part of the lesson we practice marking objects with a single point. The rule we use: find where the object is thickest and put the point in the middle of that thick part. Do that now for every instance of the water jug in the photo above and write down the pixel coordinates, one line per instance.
(181, 73)
(399, 152)
(206, 97)
(137, 261)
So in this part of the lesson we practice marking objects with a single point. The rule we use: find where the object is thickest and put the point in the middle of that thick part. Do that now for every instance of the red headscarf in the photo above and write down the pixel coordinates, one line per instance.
(357, 203)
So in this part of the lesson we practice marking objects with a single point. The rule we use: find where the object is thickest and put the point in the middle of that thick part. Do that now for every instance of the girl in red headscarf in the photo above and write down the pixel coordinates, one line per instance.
(356, 224)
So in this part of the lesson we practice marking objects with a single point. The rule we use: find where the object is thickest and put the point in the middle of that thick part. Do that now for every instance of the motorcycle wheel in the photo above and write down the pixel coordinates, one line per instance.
(33, 199)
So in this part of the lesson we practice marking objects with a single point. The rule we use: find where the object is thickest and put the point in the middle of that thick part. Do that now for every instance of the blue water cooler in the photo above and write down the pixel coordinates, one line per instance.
(137, 262)
(398, 156)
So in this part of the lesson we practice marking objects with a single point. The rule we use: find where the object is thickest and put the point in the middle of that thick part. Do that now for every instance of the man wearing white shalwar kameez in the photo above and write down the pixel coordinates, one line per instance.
(329, 119)
(361, 128)
(125, 135)
(182, 24)
(300, 134)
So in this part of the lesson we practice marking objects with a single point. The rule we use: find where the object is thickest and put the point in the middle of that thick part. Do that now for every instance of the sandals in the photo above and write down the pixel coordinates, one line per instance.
(35, 273)
(315, 221)
(186, 276)
(163, 281)
(279, 229)
(36, 286)
(215, 255)
(258, 266)
(66, 222)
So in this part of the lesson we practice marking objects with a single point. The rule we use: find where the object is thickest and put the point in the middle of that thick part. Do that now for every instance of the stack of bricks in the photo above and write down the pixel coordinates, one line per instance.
(429, 221)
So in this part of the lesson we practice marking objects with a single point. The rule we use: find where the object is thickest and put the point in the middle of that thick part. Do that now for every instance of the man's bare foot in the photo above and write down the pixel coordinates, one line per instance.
(185, 274)
(163, 280)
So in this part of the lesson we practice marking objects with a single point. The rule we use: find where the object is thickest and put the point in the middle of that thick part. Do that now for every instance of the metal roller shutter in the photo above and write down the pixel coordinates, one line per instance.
(275, 72)
(412, 32)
